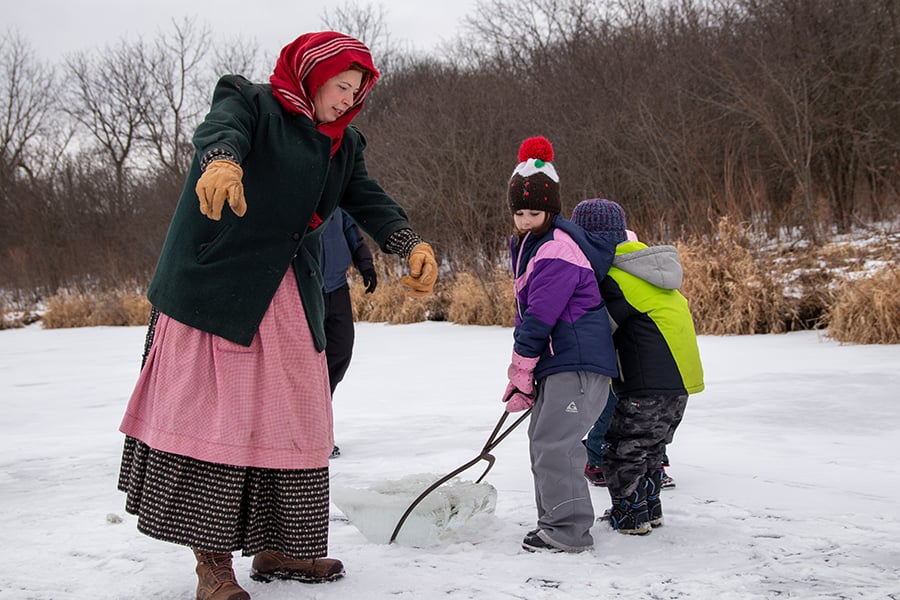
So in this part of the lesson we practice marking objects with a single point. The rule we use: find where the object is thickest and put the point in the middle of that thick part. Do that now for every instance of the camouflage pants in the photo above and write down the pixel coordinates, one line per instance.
(641, 428)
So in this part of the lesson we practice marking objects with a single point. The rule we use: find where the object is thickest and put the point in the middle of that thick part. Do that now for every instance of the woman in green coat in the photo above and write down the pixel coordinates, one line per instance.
(229, 428)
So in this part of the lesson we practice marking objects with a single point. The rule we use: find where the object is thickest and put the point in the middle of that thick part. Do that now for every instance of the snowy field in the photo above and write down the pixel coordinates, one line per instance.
(787, 471)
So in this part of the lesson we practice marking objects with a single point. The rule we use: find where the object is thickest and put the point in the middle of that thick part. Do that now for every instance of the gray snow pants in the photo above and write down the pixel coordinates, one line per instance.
(566, 407)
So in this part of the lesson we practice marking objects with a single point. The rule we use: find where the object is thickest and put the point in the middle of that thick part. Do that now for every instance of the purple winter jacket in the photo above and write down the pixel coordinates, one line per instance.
(560, 314)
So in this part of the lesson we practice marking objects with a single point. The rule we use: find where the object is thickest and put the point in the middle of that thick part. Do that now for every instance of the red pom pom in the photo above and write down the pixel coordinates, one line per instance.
(536, 147)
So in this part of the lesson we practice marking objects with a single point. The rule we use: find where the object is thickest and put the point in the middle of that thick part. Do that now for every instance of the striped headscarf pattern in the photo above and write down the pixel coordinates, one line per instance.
(311, 60)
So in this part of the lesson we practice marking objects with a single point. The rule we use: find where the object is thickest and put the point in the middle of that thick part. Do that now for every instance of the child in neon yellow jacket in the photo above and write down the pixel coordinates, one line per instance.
(659, 363)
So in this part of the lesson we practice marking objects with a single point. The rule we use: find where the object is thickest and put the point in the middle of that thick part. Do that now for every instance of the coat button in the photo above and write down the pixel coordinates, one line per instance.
(295, 236)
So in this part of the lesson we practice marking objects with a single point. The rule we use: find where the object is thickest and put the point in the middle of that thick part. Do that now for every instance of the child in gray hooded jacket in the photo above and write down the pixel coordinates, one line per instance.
(659, 365)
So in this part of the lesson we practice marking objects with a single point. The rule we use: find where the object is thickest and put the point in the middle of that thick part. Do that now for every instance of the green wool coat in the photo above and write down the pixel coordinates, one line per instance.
(220, 276)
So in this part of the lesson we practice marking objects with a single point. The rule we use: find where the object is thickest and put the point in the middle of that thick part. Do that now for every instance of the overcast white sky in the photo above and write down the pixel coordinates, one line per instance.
(56, 27)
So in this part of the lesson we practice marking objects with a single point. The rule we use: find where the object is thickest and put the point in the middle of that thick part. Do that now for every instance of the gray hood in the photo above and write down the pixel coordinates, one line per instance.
(658, 265)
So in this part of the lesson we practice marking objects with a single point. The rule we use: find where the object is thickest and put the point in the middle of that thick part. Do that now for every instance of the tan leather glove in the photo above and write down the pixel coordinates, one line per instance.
(221, 180)
(423, 271)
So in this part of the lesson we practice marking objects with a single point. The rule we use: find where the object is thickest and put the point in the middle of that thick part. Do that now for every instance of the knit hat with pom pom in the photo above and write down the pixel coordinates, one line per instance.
(534, 184)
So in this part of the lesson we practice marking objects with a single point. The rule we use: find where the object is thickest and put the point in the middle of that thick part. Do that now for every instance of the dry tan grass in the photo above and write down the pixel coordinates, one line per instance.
(92, 308)
(14, 319)
(6, 319)
(732, 287)
(389, 302)
(486, 300)
(867, 311)
(16, 312)
(729, 290)
(463, 298)
(735, 288)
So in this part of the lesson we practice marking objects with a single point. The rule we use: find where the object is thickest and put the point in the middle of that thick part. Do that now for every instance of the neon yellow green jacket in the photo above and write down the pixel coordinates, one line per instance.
(653, 328)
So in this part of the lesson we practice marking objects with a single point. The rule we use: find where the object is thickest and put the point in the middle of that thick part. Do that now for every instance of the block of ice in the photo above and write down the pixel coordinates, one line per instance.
(375, 511)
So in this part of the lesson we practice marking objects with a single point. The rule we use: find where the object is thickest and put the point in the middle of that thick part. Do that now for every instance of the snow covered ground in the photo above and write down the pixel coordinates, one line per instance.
(787, 471)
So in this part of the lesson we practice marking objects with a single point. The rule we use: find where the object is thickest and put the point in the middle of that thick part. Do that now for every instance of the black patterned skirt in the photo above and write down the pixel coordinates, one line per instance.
(225, 508)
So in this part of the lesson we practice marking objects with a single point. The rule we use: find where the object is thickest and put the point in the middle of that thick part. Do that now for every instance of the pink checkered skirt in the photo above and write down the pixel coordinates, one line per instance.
(267, 405)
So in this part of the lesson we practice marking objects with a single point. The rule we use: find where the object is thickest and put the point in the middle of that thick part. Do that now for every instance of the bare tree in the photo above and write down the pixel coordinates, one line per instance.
(366, 23)
(32, 141)
(775, 83)
(176, 102)
(448, 164)
(109, 94)
(27, 104)
(777, 113)
(521, 34)
(240, 56)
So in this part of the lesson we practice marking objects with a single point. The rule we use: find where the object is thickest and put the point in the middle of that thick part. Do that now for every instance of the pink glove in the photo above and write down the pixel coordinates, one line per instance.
(515, 400)
(519, 394)
(521, 372)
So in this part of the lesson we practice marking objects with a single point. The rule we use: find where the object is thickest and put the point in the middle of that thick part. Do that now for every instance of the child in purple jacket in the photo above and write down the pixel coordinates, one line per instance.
(563, 354)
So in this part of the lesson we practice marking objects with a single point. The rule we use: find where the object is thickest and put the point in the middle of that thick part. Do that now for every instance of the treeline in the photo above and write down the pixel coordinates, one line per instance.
(783, 115)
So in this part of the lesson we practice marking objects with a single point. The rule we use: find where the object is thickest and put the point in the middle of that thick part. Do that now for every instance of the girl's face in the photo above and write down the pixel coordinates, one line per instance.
(336, 95)
(529, 220)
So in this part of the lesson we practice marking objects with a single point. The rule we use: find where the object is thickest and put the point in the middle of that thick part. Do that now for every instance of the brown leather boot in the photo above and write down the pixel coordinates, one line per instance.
(272, 565)
(216, 577)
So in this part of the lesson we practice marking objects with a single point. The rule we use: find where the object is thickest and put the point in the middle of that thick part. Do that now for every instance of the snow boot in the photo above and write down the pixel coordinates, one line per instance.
(272, 565)
(215, 577)
(667, 482)
(629, 515)
(594, 475)
(654, 503)
(534, 543)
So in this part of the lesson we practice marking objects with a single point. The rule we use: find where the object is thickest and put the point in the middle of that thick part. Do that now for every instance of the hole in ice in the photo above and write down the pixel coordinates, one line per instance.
(375, 511)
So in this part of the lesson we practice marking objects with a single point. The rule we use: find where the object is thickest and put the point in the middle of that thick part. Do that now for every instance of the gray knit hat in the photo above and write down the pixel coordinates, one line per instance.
(601, 215)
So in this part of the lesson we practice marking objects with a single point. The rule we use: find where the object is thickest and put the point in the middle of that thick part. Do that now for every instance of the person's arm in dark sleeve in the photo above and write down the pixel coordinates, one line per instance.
(362, 256)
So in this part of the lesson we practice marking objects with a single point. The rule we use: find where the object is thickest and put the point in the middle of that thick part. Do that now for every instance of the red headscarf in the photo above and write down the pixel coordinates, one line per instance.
(311, 60)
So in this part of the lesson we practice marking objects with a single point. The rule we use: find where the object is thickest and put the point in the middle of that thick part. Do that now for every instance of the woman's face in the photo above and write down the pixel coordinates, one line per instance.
(529, 220)
(336, 95)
